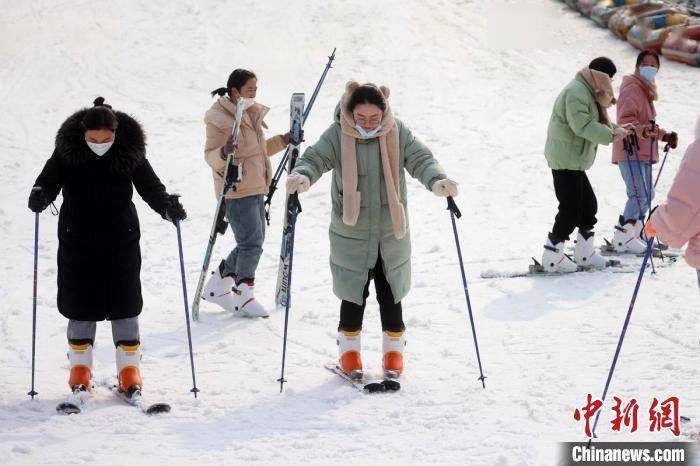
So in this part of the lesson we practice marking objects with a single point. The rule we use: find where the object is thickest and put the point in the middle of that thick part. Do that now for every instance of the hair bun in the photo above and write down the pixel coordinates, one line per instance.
(99, 102)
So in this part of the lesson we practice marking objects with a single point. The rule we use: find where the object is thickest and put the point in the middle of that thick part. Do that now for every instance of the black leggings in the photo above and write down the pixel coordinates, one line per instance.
(577, 203)
(351, 314)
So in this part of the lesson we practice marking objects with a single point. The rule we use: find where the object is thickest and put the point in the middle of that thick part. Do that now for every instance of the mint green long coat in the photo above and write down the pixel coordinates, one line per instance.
(354, 249)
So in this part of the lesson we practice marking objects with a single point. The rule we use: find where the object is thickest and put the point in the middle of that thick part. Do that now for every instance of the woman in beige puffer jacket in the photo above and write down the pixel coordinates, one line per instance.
(231, 286)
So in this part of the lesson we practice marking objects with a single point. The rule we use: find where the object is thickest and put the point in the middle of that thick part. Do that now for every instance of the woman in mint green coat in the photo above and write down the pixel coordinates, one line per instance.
(579, 123)
(369, 151)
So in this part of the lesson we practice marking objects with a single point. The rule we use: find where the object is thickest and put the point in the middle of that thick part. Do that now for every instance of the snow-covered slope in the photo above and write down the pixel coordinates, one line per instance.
(482, 105)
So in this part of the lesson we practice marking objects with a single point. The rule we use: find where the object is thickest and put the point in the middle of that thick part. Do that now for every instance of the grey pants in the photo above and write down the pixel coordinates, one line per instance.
(247, 219)
(123, 330)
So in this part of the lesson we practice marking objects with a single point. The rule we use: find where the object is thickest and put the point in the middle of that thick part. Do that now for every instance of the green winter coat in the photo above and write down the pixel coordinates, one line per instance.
(354, 249)
(574, 129)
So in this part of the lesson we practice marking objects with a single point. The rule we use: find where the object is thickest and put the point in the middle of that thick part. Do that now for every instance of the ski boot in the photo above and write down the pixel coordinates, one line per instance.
(349, 347)
(585, 253)
(626, 237)
(554, 259)
(244, 302)
(219, 288)
(129, 374)
(393, 344)
(80, 358)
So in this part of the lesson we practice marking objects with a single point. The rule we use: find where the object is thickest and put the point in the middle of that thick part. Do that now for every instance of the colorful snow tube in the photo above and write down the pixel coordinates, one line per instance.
(603, 10)
(683, 45)
(625, 18)
(650, 33)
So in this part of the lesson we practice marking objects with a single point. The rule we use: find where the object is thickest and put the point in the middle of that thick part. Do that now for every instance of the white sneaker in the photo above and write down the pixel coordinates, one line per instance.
(626, 238)
(586, 255)
(219, 290)
(244, 302)
(554, 259)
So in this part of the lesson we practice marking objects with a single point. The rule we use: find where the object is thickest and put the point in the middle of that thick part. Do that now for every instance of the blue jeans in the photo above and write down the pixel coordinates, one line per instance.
(246, 216)
(636, 209)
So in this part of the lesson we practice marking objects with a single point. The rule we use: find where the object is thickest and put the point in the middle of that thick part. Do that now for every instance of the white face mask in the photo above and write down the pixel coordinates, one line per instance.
(100, 149)
(247, 103)
(367, 134)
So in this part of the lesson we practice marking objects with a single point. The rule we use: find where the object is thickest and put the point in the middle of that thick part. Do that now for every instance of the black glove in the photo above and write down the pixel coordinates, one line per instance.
(671, 138)
(37, 200)
(175, 211)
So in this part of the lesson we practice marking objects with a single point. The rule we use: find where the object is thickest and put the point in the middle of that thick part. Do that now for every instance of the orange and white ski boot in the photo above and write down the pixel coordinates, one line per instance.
(128, 360)
(80, 358)
(349, 347)
(393, 344)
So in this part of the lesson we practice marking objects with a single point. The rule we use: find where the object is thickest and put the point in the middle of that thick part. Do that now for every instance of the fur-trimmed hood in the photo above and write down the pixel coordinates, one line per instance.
(125, 155)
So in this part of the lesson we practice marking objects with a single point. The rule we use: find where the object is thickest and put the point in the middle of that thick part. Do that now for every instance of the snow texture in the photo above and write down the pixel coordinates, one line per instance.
(475, 92)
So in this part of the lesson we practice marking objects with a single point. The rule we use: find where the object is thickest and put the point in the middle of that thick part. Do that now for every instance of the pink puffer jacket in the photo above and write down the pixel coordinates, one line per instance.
(636, 106)
(678, 220)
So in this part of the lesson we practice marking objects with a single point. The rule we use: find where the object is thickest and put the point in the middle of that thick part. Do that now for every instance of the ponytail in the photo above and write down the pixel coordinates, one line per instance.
(222, 91)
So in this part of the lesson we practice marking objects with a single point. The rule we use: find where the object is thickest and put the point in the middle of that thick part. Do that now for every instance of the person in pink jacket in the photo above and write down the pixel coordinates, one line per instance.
(677, 221)
(635, 109)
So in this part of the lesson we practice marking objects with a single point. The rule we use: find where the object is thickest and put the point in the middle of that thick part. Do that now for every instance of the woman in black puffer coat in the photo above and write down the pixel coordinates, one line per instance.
(100, 155)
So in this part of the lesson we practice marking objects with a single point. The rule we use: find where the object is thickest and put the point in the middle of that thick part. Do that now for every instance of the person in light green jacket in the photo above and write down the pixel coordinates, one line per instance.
(369, 152)
(579, 123)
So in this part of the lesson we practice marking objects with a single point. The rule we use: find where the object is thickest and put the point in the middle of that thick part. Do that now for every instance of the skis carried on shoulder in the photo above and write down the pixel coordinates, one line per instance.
(388, 384)
(296, 122)
(219, 224)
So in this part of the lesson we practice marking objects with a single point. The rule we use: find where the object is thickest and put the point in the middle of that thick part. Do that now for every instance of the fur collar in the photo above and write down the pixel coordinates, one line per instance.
(125, 155)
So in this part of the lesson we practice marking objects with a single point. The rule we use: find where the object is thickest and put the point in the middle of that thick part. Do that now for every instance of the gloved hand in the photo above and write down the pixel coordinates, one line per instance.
(175, 211)
(649, 229)
(671, 138)
(228, 148)
(651, 131)
(298, 183)
(287, 137)
(37, 200)
(445, 188)
(620, 133)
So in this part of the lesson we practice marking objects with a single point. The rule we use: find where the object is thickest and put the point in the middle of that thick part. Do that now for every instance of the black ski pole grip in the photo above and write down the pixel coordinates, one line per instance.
(452, 207)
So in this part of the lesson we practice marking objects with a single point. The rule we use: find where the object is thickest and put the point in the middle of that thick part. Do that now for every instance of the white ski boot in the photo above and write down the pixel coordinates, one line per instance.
(349, 347)
(219, 289)
(586, 255)
(554, 259)
(626, 237)
(244, 302)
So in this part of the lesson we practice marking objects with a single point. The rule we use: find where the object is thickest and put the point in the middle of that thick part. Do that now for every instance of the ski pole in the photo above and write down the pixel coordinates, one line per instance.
(454, 212)
(283, 162)
(194, 390)
(33, 392)
(647, 256)
(667, 148)
(294, 209)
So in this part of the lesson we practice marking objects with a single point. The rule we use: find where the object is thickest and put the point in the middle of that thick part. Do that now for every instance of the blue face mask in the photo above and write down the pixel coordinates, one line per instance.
(367, 134)
(648, 73)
